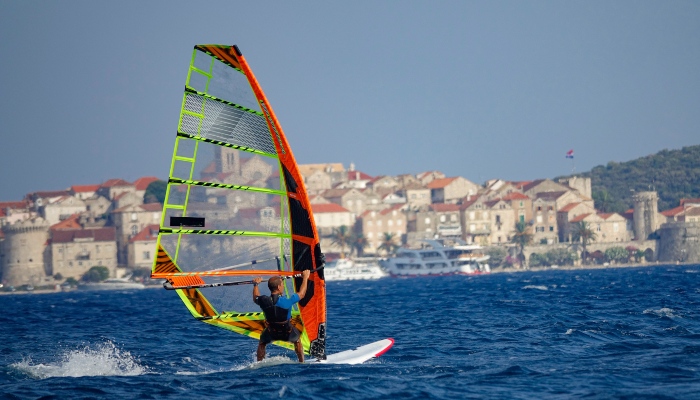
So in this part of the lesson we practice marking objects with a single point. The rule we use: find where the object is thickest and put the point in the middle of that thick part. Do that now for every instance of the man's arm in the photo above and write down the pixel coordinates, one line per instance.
(302, 289)
(256, 291)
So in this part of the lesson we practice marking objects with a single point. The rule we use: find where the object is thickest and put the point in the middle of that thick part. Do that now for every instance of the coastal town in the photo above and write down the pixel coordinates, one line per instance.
(49, 237)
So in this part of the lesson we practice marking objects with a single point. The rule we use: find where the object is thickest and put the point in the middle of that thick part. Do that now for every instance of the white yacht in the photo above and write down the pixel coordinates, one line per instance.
(112, 284)
(436, 258)
(345, 269)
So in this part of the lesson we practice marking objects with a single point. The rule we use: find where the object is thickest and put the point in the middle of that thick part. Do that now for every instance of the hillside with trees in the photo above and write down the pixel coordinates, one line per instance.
(674, 174)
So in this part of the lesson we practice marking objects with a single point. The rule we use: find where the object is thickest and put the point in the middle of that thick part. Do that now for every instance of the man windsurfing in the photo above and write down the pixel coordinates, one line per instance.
(278, 314)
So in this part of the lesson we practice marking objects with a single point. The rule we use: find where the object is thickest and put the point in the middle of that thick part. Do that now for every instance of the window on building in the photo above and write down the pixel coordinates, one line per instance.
(551, 228)
(521, 218)
(453, 217)
(134, 230)
(471, 214)
(539, 208)
(146, 255)
(134, 217)
(442, 218)
(427, 220)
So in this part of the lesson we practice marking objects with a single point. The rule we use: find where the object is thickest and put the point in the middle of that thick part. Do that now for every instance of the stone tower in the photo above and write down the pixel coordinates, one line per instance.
(227, 160)
(582, 184)
(25, 243)
(646, 214)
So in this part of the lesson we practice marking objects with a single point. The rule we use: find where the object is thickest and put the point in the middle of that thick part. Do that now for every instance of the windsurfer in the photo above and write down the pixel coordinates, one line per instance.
(278, 314)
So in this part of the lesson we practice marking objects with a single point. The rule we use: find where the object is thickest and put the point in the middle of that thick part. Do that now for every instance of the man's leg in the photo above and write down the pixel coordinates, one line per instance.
(299, 350)
(261, 351)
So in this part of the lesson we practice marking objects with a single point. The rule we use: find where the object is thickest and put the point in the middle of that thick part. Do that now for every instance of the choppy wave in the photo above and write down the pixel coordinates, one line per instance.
(537, 287)
(662, 312)
(103, 359)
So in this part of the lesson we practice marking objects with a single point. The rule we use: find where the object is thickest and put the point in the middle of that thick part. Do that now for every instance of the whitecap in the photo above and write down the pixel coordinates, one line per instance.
(103, 359)
(662, 312)
(570, 331)
(538, 287)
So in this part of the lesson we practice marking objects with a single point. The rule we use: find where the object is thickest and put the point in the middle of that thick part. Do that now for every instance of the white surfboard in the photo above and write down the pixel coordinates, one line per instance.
(358, 355)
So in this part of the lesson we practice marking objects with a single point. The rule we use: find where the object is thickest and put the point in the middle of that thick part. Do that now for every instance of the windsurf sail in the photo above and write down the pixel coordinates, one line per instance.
(236, 206)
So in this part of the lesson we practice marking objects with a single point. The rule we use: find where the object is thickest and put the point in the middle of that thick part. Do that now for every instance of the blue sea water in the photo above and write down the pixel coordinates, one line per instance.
(625, 333)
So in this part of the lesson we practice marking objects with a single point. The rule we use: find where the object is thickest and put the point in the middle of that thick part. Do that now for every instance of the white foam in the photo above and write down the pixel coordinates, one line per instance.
(662, 312)
(570, 331)
(538, 287)
(103, 359)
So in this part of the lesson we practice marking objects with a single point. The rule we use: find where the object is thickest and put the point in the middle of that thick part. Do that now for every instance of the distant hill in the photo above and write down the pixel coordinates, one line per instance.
(674, 174)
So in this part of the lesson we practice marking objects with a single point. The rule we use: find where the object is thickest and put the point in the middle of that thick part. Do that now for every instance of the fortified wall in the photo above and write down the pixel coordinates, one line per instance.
(25, 244)
(679, 241)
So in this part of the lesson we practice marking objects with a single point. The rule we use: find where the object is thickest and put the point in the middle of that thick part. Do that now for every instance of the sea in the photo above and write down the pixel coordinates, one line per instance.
(616, 333)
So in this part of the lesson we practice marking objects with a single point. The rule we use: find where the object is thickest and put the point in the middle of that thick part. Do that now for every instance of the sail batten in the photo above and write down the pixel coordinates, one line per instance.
(235, 194)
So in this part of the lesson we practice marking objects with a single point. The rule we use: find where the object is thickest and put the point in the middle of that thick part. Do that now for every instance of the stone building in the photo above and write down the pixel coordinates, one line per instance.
(142, 247)
(646, 214)
(351, 199)
(74, 251)
(374, 224)
(331, 216)
(129, 221)
(451, 190)
(24, 252)
(476, 221)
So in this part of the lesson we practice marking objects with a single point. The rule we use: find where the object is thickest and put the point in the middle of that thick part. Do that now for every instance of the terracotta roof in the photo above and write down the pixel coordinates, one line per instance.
(147, 234)
(605, 215)
(390, 209)
(142, 183)
(439, 207)
(440, 183)
(68, 223)
(568, 207)
(673, 212)
(13, 204)
(115, 182)
(690, 201)
(692, 212)
(54, 193)
(98, 235)
(515, 196)
(580, 218)
(84, 188)
(358, 175)
(328, 208)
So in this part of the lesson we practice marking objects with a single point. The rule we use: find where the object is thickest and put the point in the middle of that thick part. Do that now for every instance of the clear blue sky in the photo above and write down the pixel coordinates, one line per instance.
(91, 90)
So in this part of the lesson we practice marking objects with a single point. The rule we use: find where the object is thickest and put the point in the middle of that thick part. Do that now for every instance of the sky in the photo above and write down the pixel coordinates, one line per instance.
(479, 89)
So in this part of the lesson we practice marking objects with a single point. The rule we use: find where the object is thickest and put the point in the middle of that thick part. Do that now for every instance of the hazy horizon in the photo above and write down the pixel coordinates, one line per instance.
(481, 90)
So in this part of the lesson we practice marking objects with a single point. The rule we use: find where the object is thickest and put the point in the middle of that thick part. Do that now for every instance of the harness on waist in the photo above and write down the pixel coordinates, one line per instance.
(276, 317)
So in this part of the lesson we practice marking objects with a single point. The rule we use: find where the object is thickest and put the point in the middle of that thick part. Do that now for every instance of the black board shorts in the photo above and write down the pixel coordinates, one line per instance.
(267, 337)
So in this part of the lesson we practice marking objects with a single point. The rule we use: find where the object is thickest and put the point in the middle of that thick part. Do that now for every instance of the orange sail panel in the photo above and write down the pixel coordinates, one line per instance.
(234, 196)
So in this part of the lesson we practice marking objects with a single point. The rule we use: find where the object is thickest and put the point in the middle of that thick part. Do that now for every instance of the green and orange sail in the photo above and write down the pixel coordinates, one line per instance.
(236, 206)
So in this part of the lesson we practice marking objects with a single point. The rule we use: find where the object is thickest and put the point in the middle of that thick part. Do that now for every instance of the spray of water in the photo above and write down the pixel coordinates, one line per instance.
(103, 359)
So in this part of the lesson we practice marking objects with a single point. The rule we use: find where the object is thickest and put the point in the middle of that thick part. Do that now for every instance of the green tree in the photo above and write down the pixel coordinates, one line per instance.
(71, 281)
(617, 254)
(155, 192)
(388, 243)
(496, 256)
(359, 243)
(559, 256)
(584, 234)
(538, 260)
(341, 237)
(521, 238)
(97, 273)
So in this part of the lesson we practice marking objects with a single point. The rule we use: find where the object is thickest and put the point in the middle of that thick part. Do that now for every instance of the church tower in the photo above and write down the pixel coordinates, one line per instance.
(25, 244)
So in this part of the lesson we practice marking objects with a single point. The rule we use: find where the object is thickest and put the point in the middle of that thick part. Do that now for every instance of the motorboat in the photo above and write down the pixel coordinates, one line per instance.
(436, 257)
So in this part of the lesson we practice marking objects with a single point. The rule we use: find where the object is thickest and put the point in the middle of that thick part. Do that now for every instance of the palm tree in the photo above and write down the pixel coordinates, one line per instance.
(521, 238)
(358, 243)
(388, 243)
(341, 237)
(583, 233)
